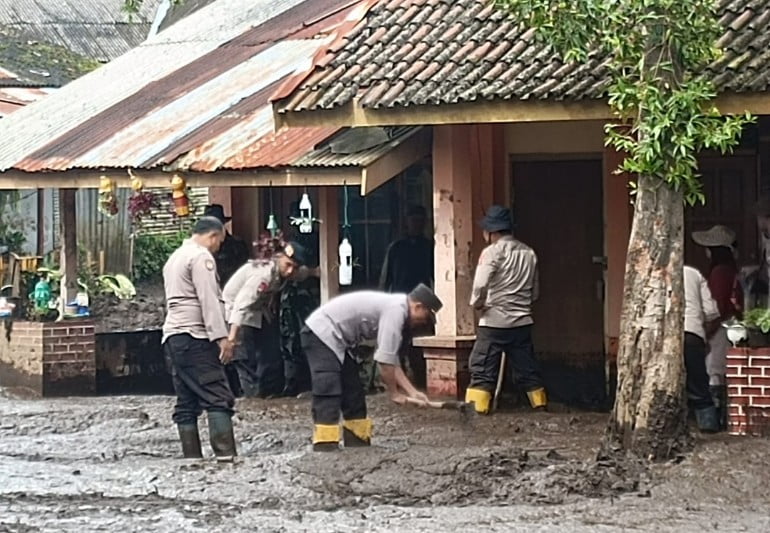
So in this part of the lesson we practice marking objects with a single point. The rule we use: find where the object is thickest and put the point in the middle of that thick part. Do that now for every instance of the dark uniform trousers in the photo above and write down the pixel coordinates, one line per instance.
(336, 386)
(698, 392)
(199, 378)
(258, 360)
(520, 356)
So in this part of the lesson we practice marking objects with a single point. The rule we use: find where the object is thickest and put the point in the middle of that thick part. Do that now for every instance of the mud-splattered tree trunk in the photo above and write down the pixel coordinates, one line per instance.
(649, 414)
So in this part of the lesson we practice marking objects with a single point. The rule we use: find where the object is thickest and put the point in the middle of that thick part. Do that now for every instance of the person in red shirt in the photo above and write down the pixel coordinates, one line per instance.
(720, 243)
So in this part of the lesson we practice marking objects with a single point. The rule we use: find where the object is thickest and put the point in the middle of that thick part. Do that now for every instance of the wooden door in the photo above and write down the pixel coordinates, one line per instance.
(730, 186)
(559, 213)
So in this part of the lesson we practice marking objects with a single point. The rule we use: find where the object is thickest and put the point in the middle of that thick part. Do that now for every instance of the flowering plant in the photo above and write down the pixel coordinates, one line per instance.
(267, 246)
(141, 204)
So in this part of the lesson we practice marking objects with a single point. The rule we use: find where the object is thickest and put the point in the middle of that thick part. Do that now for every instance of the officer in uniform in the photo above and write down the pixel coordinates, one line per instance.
(504, 288)
(251, 304)
(195, 341)
(338, 326)
(233, 253)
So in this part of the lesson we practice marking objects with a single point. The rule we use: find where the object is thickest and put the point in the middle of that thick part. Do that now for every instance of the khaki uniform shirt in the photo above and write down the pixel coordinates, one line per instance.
(249, 292)
(351, 319)
(193, 298)
(699, 305)
(506, 284)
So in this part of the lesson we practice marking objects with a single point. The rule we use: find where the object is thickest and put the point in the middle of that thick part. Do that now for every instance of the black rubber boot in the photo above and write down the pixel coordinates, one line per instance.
(191, 441)
(221, 435)
(707, 419)
(719, 395)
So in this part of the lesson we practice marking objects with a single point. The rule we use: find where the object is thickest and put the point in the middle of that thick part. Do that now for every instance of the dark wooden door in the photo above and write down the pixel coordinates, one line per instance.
(558, 209)
(730, 186)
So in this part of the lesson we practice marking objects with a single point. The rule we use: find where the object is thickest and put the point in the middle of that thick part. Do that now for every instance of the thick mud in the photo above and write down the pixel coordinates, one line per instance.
(95, 464)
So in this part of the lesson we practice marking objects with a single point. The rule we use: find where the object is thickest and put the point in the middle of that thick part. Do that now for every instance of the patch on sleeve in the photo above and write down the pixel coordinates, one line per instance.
(262, 287)
(210, 264)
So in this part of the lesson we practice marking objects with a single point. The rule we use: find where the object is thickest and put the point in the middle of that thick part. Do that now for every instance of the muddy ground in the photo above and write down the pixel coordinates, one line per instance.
(110, 464)
(146, 311)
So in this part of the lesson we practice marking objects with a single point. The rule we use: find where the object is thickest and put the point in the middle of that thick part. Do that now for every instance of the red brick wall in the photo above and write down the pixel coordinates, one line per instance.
(748, 391)
(49, 358)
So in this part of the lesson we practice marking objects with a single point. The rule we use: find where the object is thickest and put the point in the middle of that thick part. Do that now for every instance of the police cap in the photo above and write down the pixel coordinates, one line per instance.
(424, 295)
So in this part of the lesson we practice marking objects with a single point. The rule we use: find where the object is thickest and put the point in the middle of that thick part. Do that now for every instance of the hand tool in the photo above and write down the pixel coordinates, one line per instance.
(500, 378)
(466, 409)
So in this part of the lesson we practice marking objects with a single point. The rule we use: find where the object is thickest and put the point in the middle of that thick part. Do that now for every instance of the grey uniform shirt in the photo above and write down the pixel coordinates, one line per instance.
(248, 293)
(505, 284)
(350, 319)
(193, 298)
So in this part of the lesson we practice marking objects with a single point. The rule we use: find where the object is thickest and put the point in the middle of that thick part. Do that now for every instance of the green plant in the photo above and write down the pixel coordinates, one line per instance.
(758, 318)
(117, 284)
(11, 224)
(152, 252)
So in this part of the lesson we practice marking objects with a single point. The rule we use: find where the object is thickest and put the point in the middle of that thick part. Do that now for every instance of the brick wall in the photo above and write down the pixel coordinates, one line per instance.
(748, 391)
(52, 359)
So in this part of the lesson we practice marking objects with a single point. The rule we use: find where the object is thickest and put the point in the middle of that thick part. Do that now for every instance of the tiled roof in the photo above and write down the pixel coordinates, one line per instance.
(422, 52)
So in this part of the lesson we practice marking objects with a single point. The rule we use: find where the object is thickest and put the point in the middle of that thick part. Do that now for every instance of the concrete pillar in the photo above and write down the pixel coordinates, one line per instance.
(468, 175)
(328, 242)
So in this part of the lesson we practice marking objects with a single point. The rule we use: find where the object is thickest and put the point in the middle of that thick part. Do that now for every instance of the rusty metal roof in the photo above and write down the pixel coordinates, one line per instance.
(434, 52)
(195, 96)
(16, 93)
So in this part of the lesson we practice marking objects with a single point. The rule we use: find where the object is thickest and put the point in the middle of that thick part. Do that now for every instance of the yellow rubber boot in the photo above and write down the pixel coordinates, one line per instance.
(480, 398)
(326, 437)
(357, 432)
(537, 398)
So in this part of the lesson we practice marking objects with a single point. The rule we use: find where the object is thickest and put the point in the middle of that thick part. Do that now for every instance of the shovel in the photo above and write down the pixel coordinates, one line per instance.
(465, 409)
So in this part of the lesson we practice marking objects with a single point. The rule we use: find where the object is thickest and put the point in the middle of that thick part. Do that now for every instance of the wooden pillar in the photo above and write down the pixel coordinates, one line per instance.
(69, 246)
(329, 239)
(248, 218)
(223, 197)
(40, 244)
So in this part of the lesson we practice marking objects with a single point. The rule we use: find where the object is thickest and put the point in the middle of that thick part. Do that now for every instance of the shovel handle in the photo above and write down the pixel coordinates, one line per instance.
(418, 403)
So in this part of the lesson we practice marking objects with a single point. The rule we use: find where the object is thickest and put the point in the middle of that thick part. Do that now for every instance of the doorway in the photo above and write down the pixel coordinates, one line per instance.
(559, 213)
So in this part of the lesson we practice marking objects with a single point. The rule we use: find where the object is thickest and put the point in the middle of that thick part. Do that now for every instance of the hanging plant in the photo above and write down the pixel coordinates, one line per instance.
(141, 204)
(268, 245)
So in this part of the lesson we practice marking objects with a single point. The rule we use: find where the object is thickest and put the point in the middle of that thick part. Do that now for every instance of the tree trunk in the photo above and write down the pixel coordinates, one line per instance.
(649, 417)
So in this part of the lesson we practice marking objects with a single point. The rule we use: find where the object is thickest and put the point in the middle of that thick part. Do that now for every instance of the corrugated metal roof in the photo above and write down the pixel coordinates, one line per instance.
(323, 156)
(16, 93)
(194, 97)
(97, 29)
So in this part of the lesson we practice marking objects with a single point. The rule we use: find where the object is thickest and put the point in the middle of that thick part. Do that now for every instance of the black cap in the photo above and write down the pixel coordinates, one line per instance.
(424, 295)
(497, 218)
(296, 252)
(216, 211)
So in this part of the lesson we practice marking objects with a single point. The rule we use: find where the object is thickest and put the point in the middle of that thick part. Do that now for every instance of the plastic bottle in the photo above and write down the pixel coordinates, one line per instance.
(346, 262)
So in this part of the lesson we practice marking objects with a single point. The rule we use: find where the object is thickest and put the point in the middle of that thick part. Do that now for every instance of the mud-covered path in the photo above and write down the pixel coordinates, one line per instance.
(98, 464)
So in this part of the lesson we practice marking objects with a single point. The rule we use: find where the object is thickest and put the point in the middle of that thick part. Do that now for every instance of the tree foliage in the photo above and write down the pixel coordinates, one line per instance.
(656, 52)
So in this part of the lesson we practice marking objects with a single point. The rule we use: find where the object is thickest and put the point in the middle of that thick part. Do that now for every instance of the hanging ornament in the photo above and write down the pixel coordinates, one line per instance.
(305, 219)
(136, 182)
(346, 262)
(108, 203)
(346, 249)
(272, 225)
(179, 196)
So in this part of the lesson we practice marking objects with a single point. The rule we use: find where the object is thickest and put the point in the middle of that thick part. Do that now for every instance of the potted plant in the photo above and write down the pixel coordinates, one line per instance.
(757, 322)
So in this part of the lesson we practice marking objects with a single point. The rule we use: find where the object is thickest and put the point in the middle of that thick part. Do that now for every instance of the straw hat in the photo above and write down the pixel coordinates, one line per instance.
(716, 236)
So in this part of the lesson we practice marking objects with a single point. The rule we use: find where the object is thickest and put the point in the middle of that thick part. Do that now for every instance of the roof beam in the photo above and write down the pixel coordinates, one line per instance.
(411, 150)
(89, 179)
(485, 112)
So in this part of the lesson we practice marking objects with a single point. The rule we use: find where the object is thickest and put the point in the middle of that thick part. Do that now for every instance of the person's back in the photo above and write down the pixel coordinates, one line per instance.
(700, 306)
(512, 286)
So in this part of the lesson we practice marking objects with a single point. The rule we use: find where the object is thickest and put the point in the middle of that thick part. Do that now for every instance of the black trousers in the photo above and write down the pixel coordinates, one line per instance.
(258, 360)
(336, 386)
(520, 356)
(698, 392)
(199, 378)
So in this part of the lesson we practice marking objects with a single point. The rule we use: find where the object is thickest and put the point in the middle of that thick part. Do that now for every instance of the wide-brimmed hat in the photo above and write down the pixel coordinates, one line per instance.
(296, 252)
(424, 295)
(714, 237)
(216, 211)
(497, 218)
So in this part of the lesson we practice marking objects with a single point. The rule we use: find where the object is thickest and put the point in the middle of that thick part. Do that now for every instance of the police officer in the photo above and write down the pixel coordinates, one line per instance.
(195, 340)
(504, 288)
(251, 304)
(233, 253)
(340, 325)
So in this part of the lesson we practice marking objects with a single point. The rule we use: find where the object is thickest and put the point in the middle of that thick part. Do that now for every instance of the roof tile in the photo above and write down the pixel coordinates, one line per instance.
(441, 52)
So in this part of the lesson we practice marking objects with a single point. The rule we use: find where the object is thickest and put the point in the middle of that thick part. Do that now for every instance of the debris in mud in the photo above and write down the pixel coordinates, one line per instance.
(417, 476)
(146, 311)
